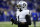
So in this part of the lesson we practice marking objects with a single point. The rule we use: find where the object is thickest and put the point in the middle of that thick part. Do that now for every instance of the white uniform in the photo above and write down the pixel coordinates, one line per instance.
(22, 15)
(23, 6)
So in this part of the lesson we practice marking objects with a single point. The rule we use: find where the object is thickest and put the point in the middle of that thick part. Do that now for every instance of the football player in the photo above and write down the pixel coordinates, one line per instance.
(22, 14)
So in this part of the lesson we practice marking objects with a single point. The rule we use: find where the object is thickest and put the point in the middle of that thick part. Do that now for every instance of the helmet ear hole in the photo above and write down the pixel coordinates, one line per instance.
(24, 4)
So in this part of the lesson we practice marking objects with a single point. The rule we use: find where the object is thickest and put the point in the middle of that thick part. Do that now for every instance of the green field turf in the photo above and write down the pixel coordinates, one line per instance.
(8, 24)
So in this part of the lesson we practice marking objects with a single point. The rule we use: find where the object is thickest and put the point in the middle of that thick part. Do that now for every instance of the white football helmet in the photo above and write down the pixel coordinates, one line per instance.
(22, 5)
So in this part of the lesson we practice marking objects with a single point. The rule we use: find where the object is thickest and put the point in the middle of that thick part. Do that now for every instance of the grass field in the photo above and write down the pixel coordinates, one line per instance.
(8, 24)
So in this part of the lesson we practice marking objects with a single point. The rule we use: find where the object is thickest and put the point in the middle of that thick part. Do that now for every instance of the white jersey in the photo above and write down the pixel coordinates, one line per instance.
(22, 15)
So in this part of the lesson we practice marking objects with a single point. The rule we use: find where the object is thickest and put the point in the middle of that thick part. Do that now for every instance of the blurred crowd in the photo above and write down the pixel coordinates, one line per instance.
(8, 8)
(32, 4)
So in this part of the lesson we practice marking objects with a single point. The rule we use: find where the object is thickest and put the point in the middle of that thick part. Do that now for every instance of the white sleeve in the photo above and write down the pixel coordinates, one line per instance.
(16, 16)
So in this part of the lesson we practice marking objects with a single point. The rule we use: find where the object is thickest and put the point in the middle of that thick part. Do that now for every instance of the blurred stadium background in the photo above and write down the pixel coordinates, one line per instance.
(8, 9)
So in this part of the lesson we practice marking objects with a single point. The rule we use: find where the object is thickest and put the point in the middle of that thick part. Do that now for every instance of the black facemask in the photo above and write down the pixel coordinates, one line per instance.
(20, 10)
